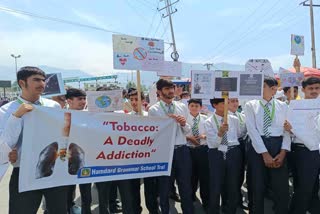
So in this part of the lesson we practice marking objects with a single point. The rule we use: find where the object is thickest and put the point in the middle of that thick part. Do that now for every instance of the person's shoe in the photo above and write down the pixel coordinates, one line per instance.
(175, 197)
(75, 210)
(116, 209)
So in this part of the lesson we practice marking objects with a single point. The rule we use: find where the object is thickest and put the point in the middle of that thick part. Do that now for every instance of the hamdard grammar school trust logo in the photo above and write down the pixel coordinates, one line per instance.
(85, 172)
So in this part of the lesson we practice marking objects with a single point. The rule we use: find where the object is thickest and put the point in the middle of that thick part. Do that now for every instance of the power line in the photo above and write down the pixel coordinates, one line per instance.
(237, 27)
(21, 12)
(249, 30)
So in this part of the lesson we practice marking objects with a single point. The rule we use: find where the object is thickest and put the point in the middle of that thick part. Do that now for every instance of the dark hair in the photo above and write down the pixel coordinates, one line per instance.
(270, 81)
(135, 93)
(25, 72)
(196, 101)
(310, 81)
(74, 92)
(286, 89)
(216, 101)
(164, 83)
(184, 93)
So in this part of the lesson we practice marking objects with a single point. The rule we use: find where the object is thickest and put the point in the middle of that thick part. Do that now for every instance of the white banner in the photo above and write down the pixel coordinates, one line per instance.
(137, 53)
(94, 147)
(104, 101)
(171, 69)
(297, 45)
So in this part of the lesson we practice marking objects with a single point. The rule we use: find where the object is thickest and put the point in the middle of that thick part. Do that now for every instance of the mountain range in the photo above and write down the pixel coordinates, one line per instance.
(147, 78)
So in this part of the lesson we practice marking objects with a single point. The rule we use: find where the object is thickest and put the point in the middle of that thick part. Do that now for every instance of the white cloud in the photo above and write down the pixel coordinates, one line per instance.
(66, 50)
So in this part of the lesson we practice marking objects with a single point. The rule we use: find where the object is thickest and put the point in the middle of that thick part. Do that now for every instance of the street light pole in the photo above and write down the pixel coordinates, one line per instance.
(15, 61)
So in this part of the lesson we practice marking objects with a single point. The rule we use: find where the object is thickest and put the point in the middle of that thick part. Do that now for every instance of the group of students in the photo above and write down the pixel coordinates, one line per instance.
(210, 151)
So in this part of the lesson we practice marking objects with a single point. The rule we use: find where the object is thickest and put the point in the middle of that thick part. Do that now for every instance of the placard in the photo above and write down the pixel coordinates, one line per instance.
(259, 65)
(226, 81)
(170, 69)
(305, 125)
(291, 79)
(297, 45)
(202, 84)
(54, 85)
(250, 85)
(137, 53)
(104, 101)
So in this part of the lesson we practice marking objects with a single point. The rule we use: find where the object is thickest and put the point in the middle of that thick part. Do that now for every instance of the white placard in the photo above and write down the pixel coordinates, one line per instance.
(302, 116)
(100, 147)
(297, 45)
(54, 85)
(250, 85)
(202, 84)
(171, 69)
(137, 53)
(226, 81)
(259, 65)
(291, 79)
(104, 101)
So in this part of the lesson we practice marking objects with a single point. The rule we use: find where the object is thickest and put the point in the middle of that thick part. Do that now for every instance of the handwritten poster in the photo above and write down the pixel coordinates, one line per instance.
(291, 79)
(104, 101)
(137, 53)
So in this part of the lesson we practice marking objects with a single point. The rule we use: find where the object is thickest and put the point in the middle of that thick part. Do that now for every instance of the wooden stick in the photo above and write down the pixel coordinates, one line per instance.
(226, 110)
(139, 92)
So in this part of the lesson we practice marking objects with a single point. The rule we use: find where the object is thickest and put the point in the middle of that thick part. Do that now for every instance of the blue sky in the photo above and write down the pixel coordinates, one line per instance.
(206, 31)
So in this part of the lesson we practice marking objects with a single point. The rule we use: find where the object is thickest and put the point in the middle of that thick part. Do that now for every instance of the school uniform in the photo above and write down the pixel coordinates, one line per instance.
(199, 158)
(225, 161)
(181, 163)
(11, 133)
(265, 121)
(150, 189)
(307, 168)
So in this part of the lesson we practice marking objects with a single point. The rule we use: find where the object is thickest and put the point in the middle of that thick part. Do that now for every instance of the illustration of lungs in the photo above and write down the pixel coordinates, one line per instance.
(47, 160)
(76, 159)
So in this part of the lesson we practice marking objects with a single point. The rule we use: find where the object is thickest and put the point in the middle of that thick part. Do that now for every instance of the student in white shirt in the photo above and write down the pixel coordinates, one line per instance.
(199, 151)
(181, 164)
(225, 158)
(233, 105)
(31, 80)
(77, 100)
(306, 159)
(267, 153)
(150, 184)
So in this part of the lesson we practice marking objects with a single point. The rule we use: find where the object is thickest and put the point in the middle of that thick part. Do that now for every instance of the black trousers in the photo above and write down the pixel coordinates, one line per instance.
(150, 193)
(29, 202)
(260, 176)
(200, 172)
(181, 171)
(103, 189)
(307, 166)
(86, 198)
(224, 174)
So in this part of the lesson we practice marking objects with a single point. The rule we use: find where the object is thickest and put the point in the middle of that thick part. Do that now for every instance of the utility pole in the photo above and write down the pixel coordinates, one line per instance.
(313, 46)
(208, 65)
(168, 7)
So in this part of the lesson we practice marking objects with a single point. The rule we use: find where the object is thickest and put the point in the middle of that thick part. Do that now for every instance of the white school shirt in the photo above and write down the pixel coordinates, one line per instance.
(254, 113)
(201, 126)
(242, 122)
(144, 113)
(233, 133)
(179, 109)
(11, 127)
